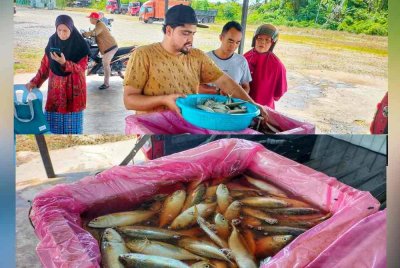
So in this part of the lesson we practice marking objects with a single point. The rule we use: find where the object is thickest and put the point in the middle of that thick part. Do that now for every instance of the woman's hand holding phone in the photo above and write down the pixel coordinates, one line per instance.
(58, 58)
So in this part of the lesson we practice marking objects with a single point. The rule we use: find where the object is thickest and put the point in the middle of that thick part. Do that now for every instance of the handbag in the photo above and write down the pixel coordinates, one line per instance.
(29, 117)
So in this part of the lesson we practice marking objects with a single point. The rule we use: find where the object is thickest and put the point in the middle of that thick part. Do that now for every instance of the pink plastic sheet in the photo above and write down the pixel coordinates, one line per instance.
(363, 245)
(56, 213)
(288, 125)
(168, 122)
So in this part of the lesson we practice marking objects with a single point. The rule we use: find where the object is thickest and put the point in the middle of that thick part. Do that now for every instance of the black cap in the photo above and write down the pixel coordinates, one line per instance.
(182, 14)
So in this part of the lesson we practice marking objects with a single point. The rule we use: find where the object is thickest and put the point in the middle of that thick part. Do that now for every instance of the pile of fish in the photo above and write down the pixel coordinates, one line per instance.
(224, 222)
(264, 127)
(226, 107)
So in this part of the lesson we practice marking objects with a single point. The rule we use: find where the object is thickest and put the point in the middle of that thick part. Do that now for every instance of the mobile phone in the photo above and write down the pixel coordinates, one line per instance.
(56, 50)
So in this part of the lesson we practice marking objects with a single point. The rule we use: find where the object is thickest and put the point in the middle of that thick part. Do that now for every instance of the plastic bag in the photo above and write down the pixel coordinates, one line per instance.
(288, 125)
(35, 93)
(28, 111)
(363, 245)
(56, 213)
(169, 122)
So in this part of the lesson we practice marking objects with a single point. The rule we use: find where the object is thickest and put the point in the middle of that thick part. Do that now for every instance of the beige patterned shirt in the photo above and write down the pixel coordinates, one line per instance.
(157, 72)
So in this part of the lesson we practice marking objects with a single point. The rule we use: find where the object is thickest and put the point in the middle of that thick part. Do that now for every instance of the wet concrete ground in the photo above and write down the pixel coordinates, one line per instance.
(70, 165)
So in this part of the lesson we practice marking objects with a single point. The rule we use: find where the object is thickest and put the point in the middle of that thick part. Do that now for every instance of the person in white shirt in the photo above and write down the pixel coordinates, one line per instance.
(233, 64)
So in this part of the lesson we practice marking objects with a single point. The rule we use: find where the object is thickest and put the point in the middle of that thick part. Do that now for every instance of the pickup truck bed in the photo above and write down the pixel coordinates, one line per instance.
(354, 165)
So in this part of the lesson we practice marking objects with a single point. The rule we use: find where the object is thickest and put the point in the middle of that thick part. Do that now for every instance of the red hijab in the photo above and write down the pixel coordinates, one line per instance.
(268, 77)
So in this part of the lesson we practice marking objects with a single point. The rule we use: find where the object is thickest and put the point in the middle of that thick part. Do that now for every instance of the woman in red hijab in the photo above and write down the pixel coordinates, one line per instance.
(267, 71)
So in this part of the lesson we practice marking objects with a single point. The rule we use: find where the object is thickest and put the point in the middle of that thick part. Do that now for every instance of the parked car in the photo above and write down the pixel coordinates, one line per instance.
(133, 8)
(82, 3)
(123, 9)
(113, 8)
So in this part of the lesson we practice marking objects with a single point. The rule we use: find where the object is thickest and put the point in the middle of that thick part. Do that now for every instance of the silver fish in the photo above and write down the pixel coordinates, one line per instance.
(148, 232)
(133, 260)
(281, 230)
(112, 245)
(161, 249)
(203, 248)
(204, 225)
(187, 217)
(292, 211)
(242, 257)
(202, 264)
(121, 218)
(264, 202)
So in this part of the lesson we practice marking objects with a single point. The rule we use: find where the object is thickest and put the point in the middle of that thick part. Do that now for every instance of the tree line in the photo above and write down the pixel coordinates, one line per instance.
(356, 16)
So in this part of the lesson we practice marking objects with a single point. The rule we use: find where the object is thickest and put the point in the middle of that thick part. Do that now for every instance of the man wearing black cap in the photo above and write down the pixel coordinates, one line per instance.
(159, 73)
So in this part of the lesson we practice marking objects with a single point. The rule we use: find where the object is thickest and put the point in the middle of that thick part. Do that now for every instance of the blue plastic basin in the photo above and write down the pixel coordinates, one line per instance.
(215, 121)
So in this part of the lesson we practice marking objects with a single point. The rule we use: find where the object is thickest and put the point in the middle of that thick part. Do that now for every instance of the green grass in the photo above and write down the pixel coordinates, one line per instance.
(54, 142)
(27, 60)
(81, 9)
(328, 39)
(331, 44)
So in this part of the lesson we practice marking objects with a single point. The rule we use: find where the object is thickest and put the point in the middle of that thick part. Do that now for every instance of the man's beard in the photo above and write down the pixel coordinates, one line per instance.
(185, 50)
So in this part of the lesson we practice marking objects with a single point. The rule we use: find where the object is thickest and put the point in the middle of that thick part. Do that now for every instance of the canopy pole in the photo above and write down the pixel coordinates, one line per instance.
(44, 153)
(245, 10)
(166, 8)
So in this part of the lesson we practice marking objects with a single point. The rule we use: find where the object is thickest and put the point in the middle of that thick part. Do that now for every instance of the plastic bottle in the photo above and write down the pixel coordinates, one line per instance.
(19, 95)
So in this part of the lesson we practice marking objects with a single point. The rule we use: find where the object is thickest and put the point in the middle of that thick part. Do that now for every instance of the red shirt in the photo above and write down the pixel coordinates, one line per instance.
(65, 93)
(380, 123)
(268, 77)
